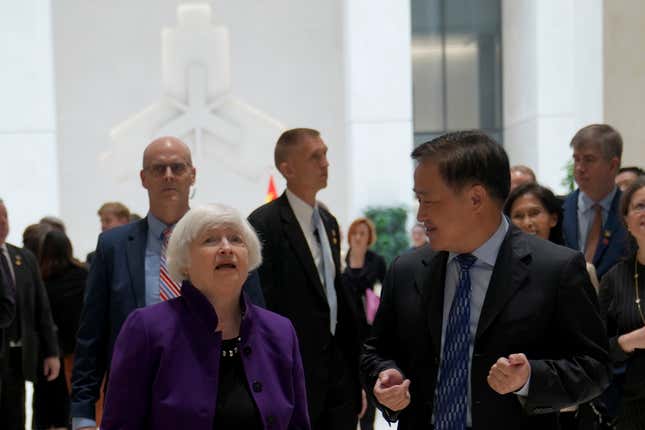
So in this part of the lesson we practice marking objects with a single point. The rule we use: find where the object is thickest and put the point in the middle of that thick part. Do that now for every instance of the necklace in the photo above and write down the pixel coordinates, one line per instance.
(638, 297)
(231, 352)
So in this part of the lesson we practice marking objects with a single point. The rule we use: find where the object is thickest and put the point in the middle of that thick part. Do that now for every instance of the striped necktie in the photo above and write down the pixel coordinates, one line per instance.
(451, 395)
(168, 289)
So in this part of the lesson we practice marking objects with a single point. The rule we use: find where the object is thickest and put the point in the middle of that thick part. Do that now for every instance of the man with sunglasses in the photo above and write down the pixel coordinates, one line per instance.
(129, 271)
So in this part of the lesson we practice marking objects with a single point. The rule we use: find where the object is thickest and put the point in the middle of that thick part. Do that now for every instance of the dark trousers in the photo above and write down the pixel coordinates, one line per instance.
(340, 409)
(12, 397)
(367, 422)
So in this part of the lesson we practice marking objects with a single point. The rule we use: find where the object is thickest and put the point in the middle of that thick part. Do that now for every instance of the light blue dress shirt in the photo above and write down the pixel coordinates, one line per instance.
(480, 274)
(586, 215)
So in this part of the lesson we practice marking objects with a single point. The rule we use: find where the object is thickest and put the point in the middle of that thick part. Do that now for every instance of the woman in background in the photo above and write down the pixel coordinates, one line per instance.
(363, 270)
(622, 304)
(64, 279)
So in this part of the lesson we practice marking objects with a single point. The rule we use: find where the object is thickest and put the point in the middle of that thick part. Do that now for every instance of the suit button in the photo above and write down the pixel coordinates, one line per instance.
(257, 386)
(270, 421)
(247, 350)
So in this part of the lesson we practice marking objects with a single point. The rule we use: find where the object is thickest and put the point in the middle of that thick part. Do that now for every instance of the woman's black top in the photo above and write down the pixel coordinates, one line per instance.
(235, 408)
(357, 280)
(65, 292)
(619, 309)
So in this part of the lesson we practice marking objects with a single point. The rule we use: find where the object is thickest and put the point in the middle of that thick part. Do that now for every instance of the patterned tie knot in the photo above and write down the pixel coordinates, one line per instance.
(166, 234)
(465, 261)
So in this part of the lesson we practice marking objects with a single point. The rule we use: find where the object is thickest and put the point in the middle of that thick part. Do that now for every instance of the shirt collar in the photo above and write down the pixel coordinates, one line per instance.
(155, 226)
(301, 209)
(585, 203)
(487, 252)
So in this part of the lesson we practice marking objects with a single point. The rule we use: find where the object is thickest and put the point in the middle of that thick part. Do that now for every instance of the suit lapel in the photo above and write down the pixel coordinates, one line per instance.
(431, 284)
(611, 225)
(293, 233)
(135, 252)
(509, 274)
(570, 220)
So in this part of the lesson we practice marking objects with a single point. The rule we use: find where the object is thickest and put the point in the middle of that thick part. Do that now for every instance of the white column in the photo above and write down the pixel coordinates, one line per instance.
(29, 172)
(553, 82)
(378, 91)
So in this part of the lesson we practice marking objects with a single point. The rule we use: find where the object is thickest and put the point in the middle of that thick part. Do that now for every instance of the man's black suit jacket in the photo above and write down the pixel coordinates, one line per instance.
(539, 302)
(292, 288)
(38, 332)
(7, 303)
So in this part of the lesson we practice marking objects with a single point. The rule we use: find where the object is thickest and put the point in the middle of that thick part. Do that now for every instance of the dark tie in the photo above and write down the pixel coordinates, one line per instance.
(451, 394)
(6, 274)
(594, 234)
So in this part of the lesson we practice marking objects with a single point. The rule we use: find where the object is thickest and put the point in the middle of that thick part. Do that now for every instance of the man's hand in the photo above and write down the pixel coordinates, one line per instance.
(51, 367)
(391, 390)
(363, 404)
(510, 374)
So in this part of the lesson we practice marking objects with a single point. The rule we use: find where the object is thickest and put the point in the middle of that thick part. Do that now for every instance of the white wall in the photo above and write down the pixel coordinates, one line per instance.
(378, 96)
(552, 80)
(286, 61)
(29, 173)
(624, 69)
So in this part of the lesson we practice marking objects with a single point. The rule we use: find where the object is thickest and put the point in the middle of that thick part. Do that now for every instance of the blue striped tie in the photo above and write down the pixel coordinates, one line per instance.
(451, 395)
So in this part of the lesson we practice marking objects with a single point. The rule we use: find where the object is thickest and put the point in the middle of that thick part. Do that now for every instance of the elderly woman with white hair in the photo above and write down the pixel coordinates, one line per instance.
(208, 359)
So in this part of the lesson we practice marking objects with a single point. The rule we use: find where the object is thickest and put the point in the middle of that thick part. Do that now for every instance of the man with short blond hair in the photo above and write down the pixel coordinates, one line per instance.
(301, 280)
(591, 222)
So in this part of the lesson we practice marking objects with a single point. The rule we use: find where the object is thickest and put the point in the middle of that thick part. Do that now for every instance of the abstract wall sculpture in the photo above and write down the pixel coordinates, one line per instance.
(228, 137)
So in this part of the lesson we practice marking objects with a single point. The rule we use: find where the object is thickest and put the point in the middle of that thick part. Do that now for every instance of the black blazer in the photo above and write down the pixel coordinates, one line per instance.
(539, 302)
(65, 291)
(34, 317)
(7, 304)
(292, 288)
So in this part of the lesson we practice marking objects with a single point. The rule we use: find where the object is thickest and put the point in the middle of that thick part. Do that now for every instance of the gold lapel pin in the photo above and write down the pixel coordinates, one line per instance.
(18, 260)
(334, 238)
(607, 233)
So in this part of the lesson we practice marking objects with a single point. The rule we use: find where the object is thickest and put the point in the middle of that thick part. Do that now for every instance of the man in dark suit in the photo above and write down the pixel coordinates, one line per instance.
(7, 305)
(591, 220)
(129, 271)
(493, 328)
(30, 342)
(300, 277)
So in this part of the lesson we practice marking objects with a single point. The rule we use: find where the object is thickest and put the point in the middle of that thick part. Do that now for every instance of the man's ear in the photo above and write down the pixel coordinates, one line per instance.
(285, 169)
(142, 175)
(477, 195)
(614, 164)
(193, 174)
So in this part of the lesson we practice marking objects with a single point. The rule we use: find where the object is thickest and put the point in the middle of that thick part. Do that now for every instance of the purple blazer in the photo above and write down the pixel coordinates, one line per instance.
(165, 367)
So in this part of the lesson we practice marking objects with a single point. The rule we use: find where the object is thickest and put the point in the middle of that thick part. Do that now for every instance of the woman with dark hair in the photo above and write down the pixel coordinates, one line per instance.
(535, 209)
(624, 313)
(64, 279)
(364, 269)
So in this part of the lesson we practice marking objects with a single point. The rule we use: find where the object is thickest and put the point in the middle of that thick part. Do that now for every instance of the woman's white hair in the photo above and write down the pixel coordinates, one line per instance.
(203, 218)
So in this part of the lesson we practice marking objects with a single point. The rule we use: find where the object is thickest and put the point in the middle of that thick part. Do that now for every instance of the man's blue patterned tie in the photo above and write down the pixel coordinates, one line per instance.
(451, 394)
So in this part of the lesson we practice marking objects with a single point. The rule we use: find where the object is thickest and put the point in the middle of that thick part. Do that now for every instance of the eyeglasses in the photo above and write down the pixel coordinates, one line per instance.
(159, 170)
(638, 208)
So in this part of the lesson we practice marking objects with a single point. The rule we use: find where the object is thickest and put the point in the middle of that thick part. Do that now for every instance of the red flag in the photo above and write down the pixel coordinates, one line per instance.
(271, 192)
